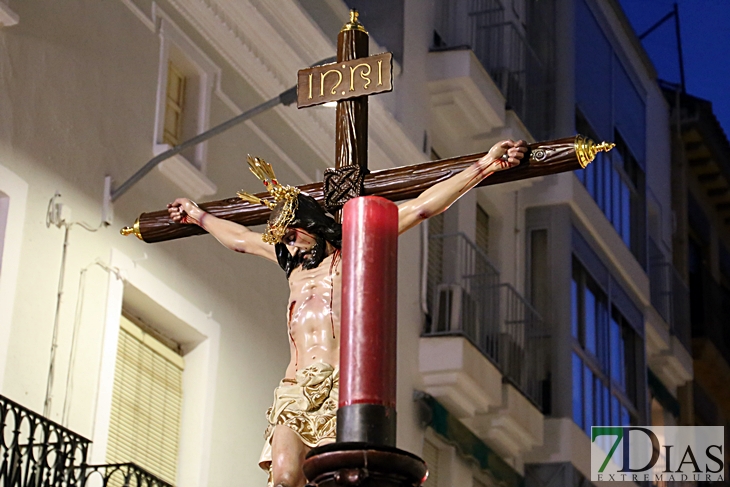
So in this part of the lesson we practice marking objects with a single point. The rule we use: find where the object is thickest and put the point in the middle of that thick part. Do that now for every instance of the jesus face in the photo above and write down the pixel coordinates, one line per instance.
(297, 239)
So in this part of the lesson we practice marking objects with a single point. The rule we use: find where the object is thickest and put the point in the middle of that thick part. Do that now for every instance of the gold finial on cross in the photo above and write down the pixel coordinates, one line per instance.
(586, 149)
(354, 24)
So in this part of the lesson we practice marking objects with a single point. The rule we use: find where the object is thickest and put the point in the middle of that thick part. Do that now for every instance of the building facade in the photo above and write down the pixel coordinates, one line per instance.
(528, 312)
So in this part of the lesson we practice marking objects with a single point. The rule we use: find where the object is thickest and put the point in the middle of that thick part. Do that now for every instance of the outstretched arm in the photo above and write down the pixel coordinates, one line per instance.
(232, 235)
(442, 195)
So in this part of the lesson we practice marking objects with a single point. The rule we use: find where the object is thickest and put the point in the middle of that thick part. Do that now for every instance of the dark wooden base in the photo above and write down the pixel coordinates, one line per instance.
(363, 465)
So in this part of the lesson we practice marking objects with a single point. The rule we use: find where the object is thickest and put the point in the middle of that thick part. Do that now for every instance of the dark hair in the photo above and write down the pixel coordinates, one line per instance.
(312, 218)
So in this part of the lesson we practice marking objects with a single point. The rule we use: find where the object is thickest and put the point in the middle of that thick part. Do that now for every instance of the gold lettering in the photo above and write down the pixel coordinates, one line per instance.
(310, 86)
(363, 74)
(380, 72)
(323, 76)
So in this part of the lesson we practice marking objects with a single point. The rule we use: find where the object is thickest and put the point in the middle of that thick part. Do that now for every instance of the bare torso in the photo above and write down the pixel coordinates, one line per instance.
(313, 314)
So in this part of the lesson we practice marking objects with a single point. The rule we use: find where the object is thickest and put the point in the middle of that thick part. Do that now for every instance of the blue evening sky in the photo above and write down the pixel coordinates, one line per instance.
(705, 32)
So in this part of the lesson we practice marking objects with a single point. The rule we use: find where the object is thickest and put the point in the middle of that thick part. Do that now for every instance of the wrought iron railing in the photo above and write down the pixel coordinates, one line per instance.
(35, 451)
(121, 475)
(669, 295)
(468, 300)
(464, 290)
(515, 49)
(525, 345)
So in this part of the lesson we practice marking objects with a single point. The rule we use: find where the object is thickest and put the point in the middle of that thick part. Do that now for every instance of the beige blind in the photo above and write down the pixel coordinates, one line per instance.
(431, 457)
(146, 403)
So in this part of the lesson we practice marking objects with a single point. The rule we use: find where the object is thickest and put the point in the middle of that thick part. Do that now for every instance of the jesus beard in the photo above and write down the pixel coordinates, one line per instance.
(314, 256)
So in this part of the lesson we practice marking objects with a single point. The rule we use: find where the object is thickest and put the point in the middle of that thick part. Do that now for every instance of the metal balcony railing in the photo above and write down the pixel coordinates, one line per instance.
(525, 344)
(35, 451)
(121, 475)
(468, 300)
(464, 290)
(517, 56)
(669, 295)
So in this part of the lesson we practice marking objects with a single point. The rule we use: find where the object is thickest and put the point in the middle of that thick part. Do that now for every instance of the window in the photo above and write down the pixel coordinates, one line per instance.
(610, 106)
(4, 205)
(435, 260)
(604, 368)
(174, 106)
(539, 271)
(13, 202)
(482, 232)
(146, 402)
(186, 80)
(435, 226)
(617, 184)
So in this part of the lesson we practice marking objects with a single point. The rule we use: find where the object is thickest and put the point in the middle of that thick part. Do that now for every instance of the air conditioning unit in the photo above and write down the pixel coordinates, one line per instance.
(454, 309)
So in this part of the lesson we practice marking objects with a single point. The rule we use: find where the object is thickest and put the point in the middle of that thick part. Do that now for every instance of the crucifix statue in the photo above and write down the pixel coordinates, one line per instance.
(307, 244)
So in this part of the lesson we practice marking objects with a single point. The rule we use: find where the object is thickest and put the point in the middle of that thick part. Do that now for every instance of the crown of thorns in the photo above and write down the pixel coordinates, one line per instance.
(285, 201)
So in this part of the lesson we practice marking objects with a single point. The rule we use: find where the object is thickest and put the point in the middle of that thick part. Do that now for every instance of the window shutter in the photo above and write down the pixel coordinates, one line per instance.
(482, 233)
(435, 258)
(146, 403)
(174, 105)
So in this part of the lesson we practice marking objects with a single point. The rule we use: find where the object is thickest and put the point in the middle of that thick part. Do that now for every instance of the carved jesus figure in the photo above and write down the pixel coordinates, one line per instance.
(307, 247)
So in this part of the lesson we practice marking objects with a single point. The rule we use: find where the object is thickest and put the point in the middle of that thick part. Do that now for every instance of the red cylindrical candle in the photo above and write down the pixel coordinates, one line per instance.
(369, 288)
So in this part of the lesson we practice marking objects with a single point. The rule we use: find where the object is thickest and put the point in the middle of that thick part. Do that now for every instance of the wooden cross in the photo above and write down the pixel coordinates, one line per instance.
(349, 81)
(370, 427)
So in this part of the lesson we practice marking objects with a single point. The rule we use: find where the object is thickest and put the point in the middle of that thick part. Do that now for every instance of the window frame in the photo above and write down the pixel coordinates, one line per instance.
(599, 365)
(15, 190)
(609, 174)
(187, 169)
(188, 325)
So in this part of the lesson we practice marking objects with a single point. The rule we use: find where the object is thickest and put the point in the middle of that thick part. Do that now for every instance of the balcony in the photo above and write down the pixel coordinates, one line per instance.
(469, 301)
(517, 56)
(121, 475)
(669, 295)
(484, 353)
(35, 451)
(668, 340)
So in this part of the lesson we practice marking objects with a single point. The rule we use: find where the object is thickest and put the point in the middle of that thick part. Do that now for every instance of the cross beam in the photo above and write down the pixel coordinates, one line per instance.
(396, 184)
